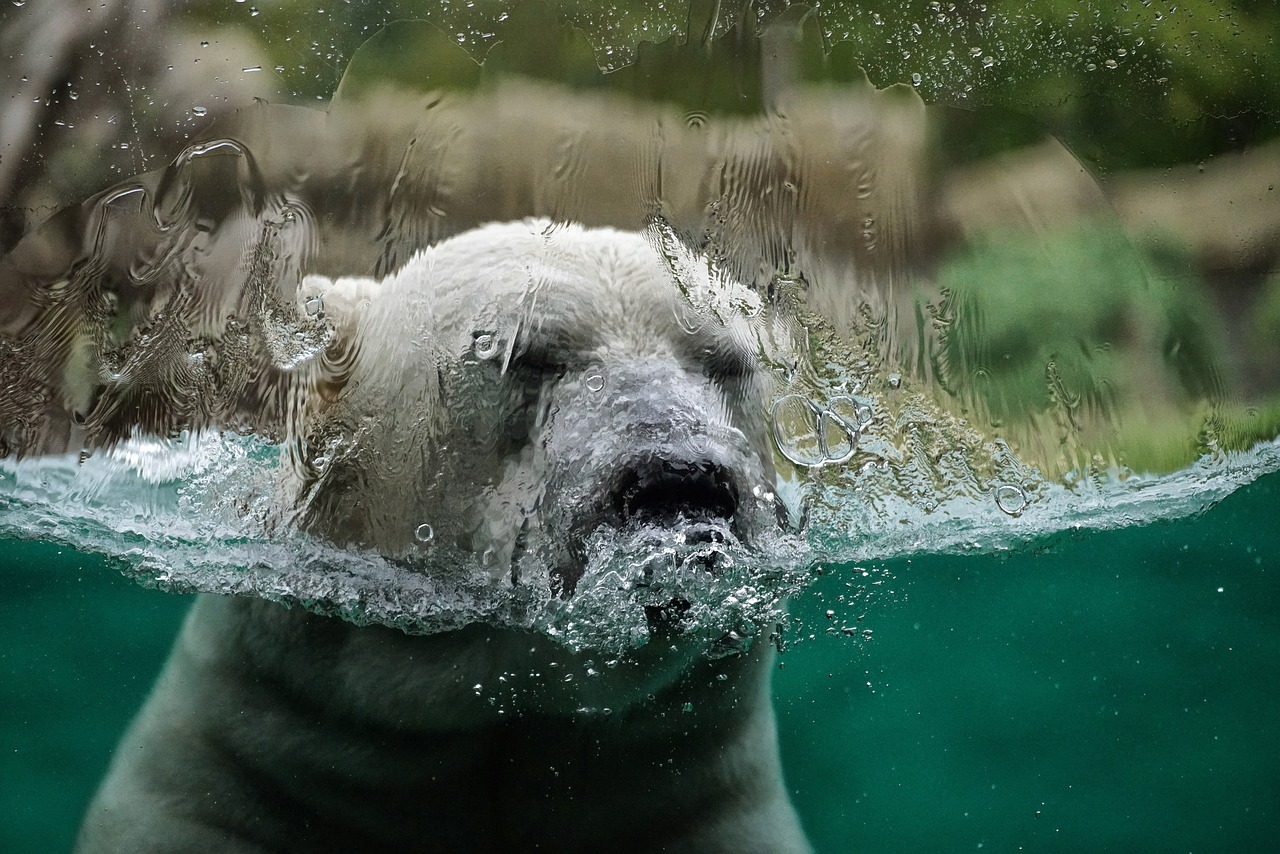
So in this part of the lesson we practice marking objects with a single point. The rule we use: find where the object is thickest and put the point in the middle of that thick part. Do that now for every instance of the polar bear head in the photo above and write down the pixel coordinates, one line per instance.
(514, 390)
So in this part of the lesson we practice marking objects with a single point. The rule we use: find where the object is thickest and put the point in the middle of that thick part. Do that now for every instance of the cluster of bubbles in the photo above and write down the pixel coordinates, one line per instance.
(810, 435)
(703, 581)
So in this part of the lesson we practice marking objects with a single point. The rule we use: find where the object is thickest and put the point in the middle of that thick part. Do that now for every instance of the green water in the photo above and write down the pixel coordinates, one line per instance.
(1100, 694)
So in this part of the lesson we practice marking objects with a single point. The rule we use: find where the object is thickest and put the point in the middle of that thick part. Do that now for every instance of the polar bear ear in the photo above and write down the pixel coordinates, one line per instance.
(340, 302)
(341, 305)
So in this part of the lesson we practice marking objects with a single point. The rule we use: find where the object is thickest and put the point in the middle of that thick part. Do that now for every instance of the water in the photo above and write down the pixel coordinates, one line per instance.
(1109, 691)
(998, 436)
(1065, 698)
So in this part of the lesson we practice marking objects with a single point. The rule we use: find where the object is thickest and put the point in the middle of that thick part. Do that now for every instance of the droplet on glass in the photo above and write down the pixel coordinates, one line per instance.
(485, 345)
(314, 306)
(595, 382)
(199, 111)
(838, 436)
(1011, 499)
(424, 533)
(796, 430)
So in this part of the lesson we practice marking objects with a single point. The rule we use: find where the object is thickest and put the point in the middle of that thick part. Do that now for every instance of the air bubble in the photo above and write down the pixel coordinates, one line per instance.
(424, 533)
(595, 382)
(796, 431)
(895, 381)
(314, 306)
(700, 442)
(1011, 499)
(485, 345)
(838, 436)
(856, 412)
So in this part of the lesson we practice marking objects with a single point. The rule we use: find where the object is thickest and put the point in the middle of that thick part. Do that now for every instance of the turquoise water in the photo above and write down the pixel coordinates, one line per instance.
(1102, 692)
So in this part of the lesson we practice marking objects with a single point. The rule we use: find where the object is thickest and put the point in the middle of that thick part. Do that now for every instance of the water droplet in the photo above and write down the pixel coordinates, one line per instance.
(1011, 499)
(796, 430)
(895, 381)
(595, 382)
(700, 442)
(314, 306)
(199, 111)
(485, 345)
(424, 534)
(838, 435)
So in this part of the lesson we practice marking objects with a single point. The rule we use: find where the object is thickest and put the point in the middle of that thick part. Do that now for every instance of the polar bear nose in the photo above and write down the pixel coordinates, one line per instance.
(664, 489)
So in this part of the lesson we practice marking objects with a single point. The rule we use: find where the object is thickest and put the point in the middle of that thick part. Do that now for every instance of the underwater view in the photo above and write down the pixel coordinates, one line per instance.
(687, 426)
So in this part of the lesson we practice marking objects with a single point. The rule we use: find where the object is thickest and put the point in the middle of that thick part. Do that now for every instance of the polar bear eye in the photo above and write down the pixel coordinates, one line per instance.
(535, 374)
(540, 359)
(726, 361)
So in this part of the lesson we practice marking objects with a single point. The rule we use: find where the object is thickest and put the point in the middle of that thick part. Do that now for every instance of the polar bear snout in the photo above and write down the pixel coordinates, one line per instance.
(657, 449)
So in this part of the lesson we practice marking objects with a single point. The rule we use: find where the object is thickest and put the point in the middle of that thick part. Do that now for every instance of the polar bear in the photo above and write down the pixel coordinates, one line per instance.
(516, 388)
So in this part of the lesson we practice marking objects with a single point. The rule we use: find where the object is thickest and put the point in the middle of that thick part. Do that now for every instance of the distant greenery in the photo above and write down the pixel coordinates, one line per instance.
(1140, 83)
(1147, 82)
(1073, 342)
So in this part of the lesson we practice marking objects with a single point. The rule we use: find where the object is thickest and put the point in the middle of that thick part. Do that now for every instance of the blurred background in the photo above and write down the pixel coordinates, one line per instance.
(1061, 224)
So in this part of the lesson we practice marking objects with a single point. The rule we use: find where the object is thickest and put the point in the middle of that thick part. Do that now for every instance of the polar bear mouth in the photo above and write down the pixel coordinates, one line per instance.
(657, 512)
(674, 494)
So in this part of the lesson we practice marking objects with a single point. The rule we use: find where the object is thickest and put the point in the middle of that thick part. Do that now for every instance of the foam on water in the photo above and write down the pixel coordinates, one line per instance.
(200, 515)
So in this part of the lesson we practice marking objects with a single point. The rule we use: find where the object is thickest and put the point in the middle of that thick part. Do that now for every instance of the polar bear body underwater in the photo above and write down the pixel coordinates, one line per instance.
(517, 388)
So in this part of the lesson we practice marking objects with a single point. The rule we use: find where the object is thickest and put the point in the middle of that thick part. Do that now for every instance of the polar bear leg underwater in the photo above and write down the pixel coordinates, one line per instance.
(274, 729)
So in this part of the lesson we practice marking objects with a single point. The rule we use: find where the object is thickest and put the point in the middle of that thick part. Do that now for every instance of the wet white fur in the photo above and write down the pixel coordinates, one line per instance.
(273, 729)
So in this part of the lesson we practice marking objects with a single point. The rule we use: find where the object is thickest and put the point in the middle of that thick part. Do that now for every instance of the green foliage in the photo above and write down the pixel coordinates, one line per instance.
(1076, 337)
(1125, 84)
(1015, 306)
